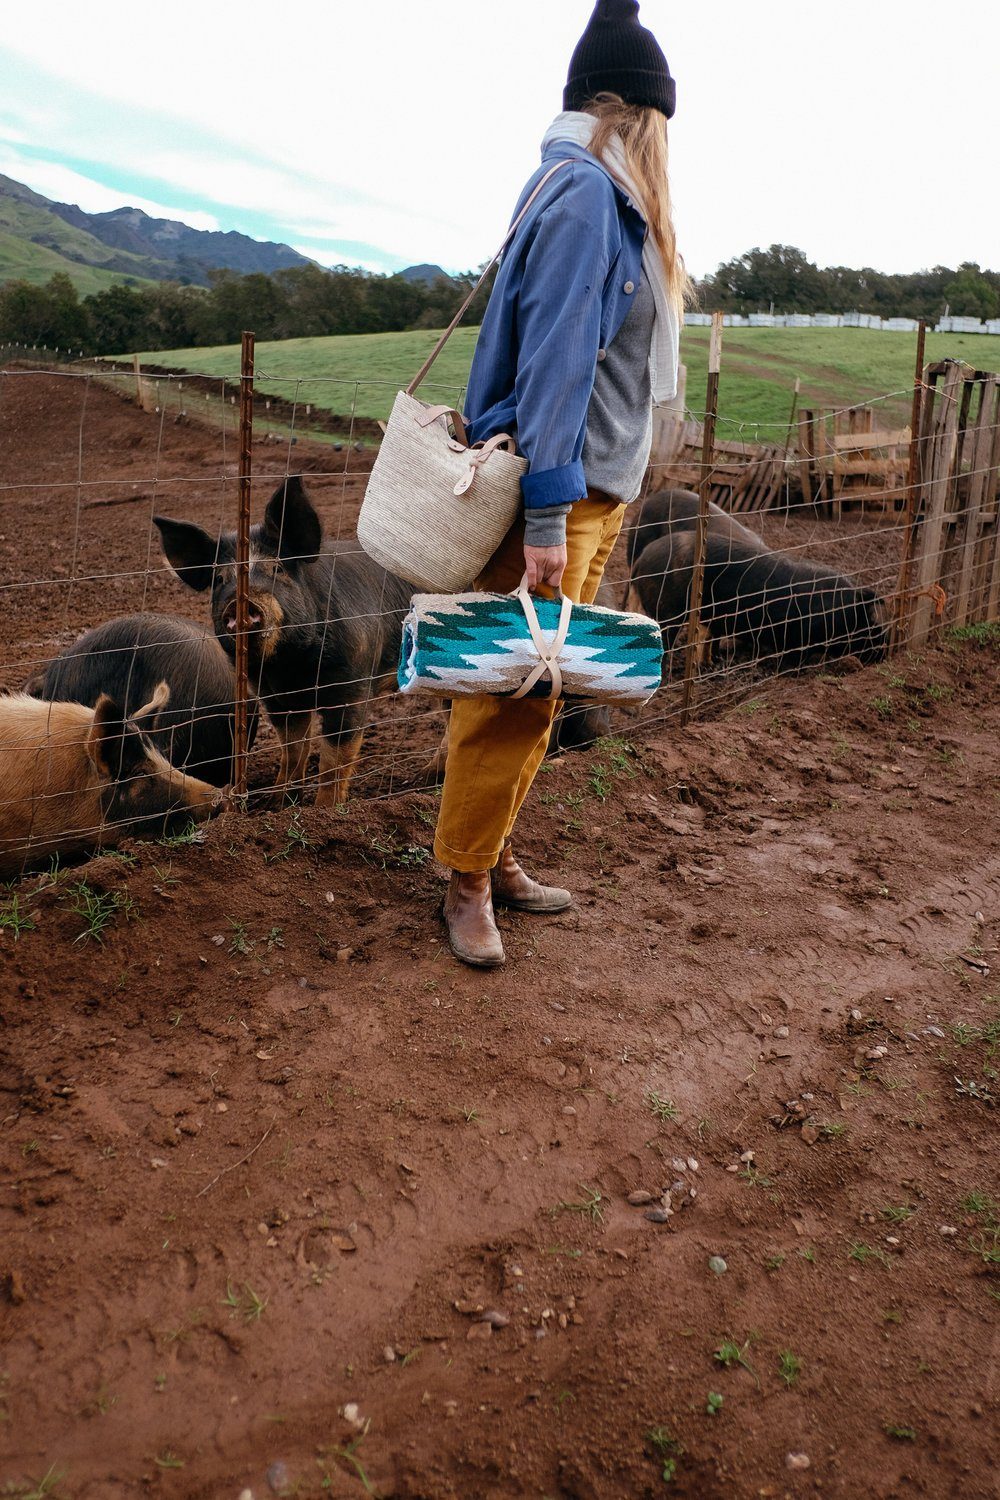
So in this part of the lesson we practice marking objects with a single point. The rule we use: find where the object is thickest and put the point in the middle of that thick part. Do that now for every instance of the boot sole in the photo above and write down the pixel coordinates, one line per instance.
(532, 908)
(477, 963)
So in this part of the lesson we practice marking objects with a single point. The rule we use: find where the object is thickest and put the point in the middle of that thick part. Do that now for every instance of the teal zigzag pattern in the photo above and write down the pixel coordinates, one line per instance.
(480, 643)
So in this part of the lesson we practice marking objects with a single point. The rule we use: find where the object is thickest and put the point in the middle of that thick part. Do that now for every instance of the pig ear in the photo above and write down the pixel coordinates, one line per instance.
(291, 523)
(151, 710)
(191, 552)
(104, 739)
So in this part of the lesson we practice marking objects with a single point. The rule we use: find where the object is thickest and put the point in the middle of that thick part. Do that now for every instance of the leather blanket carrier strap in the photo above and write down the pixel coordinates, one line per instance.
(520, 646)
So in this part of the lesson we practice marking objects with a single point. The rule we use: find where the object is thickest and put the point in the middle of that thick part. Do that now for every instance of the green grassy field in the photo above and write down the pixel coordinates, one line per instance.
(35, 243)
(22, 261)
(837, 367)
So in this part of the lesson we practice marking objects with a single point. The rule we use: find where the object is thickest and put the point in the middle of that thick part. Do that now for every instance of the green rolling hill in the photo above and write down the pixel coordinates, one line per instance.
(39, 237)
(837, 367)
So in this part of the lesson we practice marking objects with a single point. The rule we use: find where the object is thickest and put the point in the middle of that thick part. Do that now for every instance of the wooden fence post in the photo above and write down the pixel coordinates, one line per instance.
(912, 491)
(968, 520)
(698, 570)
(791, 415)
(987, 587)
(140, 384)
(240, 734)
(940, 489)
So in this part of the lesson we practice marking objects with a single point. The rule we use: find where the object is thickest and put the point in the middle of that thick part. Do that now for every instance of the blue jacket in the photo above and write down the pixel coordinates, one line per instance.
(562, 292)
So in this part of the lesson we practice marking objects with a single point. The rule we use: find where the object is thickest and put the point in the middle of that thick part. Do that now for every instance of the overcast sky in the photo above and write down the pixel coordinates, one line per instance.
(388, 132)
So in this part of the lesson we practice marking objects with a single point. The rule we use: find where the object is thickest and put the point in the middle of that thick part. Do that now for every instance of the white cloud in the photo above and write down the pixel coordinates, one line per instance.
(413, 125)
(63, 185)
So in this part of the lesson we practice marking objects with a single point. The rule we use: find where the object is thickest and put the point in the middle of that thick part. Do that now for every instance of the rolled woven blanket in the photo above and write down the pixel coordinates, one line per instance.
(477, 644)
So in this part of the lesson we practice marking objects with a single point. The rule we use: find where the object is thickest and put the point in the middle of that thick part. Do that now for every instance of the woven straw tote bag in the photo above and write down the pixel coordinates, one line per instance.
(436, 509)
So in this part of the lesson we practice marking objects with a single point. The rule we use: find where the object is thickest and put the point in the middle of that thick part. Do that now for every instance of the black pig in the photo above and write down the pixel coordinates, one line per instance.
(126, 658)
(780, 609)
(672, 509)
(325, 627)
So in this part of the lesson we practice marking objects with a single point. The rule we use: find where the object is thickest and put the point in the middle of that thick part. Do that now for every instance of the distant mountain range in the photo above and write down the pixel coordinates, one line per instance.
(39, 237)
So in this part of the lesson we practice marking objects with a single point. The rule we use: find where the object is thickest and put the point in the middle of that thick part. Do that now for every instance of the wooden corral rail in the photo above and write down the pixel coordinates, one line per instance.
(744, 476)
(956, 543)
(856, 464)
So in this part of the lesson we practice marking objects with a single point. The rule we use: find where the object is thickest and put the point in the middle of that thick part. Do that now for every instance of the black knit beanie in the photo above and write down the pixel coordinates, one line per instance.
(616, 55)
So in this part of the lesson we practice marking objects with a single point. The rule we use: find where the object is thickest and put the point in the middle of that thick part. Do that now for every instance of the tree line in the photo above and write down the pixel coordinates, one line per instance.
(785, 279)
(304, 301)
(298, 302)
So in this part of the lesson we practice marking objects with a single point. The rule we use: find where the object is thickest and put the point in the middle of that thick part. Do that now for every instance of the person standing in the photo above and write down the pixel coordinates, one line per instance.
(579, 339)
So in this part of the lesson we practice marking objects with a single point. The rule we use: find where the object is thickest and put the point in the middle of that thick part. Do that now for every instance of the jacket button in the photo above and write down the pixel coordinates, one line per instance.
(629, 288)
(602, 354)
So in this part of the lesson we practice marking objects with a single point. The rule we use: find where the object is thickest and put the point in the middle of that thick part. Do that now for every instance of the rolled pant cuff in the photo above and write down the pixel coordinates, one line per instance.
(465, 861)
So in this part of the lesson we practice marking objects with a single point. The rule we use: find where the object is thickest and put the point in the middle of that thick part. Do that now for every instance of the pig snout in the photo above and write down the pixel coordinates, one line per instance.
(199, 798)
(255, 617)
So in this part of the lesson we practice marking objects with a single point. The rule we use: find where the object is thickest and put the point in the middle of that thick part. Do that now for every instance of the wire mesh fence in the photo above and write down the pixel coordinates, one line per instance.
(119, 511)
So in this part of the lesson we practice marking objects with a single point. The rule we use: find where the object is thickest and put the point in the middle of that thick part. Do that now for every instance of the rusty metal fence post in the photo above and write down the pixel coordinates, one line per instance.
(698, 571)
(240, 734)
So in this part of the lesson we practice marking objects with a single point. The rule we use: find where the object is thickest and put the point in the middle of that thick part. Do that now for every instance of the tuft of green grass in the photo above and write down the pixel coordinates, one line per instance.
(971, 1088)
(615, 763)
(731, 1354)
(96, 909)
(240, 944)
(863, 1254)
(247, 1304)
(897, 1213)
(714, 1403)
(296, 841)
(667, 1450)
(191, 833)
(754, 1177)
(980, 1203)
(38, 1489)
(663, 1108)
(347, 1454)
(985, 1243)
(14, 918)
(883, 705)
(395, 851)
(982, 633)
(588, 1207)
(902, 1434)
(789, 1366)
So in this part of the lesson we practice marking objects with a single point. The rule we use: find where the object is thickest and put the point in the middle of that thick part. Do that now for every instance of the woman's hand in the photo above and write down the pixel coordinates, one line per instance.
(544, 565)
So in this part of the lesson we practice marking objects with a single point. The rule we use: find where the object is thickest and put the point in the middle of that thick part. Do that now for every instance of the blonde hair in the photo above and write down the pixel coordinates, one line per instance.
(643, 136)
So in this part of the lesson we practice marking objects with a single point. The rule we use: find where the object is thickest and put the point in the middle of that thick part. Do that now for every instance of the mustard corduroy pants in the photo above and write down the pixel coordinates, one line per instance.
(496, 745)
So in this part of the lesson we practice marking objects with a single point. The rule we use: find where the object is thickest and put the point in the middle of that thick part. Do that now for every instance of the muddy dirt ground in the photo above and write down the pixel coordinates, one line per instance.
(269, 1156)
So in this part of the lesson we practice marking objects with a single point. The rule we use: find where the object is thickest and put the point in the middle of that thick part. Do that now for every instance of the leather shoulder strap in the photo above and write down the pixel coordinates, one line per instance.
(422, 372)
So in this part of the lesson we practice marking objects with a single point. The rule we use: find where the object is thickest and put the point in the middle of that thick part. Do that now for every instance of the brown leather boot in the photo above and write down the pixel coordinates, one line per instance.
(513, 888)
(468, 915)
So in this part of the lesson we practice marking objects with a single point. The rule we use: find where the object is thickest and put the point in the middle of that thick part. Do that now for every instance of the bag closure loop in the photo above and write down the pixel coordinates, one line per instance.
(478, 454)
(548, 651)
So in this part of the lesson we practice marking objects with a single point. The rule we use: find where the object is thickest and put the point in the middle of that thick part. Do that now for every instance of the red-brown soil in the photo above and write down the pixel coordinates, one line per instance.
(266, 1148)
